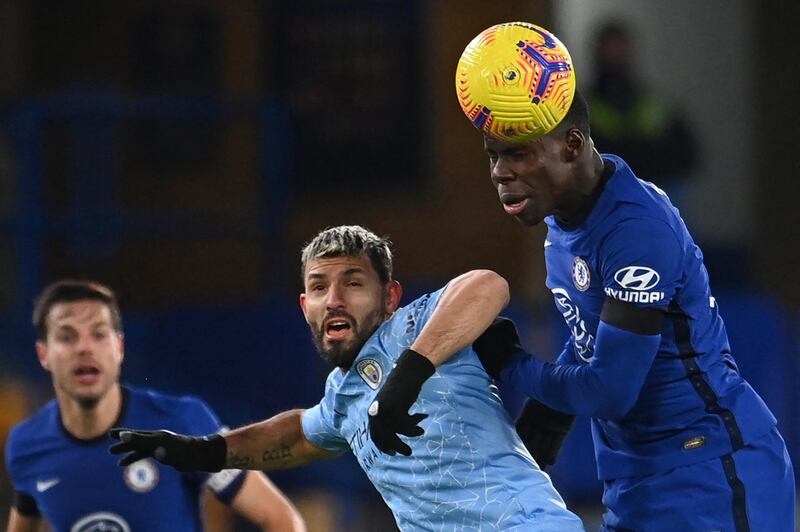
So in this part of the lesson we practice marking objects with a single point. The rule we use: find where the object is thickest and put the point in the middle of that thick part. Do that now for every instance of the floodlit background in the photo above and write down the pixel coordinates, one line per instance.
(183, 150)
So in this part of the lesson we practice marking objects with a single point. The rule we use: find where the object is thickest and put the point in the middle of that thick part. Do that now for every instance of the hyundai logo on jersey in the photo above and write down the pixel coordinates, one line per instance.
(637, 277)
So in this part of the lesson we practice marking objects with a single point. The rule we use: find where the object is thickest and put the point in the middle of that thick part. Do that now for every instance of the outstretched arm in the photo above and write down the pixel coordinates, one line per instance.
(607, 387)
(275, 443)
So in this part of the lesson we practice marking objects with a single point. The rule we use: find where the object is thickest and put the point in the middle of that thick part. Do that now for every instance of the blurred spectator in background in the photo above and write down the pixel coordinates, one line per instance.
(58, 461)
(634, 122)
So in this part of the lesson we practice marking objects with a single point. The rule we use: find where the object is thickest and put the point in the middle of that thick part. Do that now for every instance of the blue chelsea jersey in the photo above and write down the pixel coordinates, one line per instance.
(469, 471)
(634, 247)
(77, 486)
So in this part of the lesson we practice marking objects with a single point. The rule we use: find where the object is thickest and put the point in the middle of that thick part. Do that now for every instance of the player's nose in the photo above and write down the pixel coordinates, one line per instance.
(501, 173)
(335, 296)
(84, 345)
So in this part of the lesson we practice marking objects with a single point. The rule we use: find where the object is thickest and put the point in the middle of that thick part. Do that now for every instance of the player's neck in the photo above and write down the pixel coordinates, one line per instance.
(90, 421)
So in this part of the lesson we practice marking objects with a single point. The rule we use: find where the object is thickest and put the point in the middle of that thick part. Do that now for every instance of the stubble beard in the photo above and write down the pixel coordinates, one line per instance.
(341, 354)
(86, 402)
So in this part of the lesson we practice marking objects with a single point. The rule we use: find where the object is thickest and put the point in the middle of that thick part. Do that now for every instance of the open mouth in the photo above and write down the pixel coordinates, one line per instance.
(514, 205)
(337, 329)
(87, 374)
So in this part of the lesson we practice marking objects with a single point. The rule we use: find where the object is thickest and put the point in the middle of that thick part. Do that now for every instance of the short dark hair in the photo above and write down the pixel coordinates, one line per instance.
(350, 241)
(70, 290)
(577, 117)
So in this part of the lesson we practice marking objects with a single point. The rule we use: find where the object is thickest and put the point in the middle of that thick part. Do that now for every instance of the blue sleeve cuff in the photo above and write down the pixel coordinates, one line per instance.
(25, 504)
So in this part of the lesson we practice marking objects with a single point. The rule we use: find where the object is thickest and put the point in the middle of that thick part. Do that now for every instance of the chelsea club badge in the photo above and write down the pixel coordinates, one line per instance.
(580, 274)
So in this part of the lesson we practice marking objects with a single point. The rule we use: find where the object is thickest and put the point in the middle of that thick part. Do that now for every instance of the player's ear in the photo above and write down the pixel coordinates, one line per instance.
(303, 305)
(393, 296)
(41, 353)
(574, 143)
(121, 338)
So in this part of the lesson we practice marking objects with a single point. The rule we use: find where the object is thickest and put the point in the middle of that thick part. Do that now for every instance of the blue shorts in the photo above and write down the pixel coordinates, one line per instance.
(750, 490)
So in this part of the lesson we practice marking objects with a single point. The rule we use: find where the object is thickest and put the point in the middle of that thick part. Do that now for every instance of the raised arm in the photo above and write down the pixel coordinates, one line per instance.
(467, 307)
(275, 443)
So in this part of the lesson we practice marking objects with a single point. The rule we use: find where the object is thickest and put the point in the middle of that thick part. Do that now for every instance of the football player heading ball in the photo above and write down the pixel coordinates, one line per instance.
(682, 441)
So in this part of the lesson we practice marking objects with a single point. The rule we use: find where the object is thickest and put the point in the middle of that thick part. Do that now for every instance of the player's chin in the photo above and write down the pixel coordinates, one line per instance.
(339, 353)
(88, 398)
(529, 219)
(335, 344)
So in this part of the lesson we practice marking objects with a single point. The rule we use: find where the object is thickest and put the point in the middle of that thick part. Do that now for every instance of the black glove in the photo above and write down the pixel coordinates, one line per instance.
(543, 430)
(388, 413)
(497, 345)
(184, 453)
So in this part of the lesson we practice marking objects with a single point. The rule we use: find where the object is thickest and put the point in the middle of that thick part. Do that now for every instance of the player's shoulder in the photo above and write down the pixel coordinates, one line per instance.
(635, 205)
(30, 434)
(160, 400)
(634, 195)
(423, 301)
(177, 410)
(409, 319)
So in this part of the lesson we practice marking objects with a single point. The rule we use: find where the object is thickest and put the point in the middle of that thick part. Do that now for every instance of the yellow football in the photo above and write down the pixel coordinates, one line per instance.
(515, 81)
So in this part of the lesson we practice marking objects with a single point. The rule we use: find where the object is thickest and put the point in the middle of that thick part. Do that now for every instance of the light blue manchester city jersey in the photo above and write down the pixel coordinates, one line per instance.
(469, 471)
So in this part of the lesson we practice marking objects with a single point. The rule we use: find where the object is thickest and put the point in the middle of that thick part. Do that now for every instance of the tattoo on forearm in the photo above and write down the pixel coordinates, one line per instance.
(240, 462)
(282, 452)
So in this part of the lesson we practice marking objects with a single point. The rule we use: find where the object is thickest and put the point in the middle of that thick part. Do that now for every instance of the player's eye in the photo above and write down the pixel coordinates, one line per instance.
(317, 287)
(516, 154)
(355, 283)
(65, 337)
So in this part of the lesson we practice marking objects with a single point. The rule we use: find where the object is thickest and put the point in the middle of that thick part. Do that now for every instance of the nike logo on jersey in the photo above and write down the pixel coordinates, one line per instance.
(547, 243)
(44, 485)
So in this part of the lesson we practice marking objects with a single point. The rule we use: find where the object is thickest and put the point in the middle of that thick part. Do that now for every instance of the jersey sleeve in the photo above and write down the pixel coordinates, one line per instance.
(640, 263)
(21, 500)
(24, 504)
(425, 305)
(418, 313)
(202, 420)
(567, 355)
(319, 427)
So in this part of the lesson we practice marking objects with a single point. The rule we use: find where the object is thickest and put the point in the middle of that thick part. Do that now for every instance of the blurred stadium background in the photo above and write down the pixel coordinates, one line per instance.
(183, 150)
